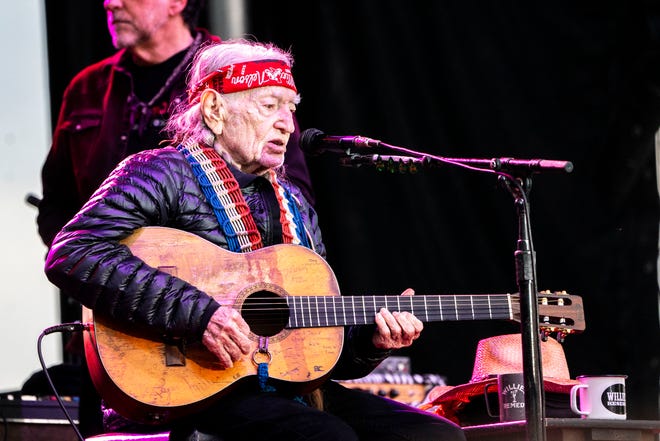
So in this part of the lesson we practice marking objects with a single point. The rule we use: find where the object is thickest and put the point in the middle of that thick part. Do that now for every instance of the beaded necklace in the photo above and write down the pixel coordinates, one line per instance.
(224, 194)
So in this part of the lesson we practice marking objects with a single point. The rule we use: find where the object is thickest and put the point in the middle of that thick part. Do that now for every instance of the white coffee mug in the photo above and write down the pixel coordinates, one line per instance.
(600, 397)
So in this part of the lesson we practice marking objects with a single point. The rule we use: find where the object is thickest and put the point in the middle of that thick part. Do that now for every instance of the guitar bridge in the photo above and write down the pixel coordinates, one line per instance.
(175, 353)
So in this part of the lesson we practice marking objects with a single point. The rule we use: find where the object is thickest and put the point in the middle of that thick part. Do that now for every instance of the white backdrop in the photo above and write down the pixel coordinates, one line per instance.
(28, 302)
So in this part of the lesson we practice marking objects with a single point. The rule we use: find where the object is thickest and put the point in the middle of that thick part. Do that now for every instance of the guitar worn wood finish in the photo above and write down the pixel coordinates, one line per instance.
(290, 298)
(131, 372)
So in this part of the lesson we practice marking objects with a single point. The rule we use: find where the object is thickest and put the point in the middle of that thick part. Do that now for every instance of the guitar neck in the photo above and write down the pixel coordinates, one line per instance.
(320, 311)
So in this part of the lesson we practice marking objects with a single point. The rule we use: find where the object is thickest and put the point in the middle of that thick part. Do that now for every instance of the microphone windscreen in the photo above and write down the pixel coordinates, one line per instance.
(309, 140)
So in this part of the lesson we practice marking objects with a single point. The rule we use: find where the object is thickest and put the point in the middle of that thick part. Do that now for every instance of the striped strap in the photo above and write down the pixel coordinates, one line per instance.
(224, 194)
(293, 230)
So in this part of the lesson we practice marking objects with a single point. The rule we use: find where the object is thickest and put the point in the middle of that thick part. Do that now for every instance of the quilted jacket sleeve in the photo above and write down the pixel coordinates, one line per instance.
(88, 261)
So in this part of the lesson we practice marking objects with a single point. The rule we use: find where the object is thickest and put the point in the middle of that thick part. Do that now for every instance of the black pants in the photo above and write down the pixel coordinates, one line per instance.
(348, 415)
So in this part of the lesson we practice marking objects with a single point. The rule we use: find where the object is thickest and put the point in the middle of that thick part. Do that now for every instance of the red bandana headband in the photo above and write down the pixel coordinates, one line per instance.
(244, 76)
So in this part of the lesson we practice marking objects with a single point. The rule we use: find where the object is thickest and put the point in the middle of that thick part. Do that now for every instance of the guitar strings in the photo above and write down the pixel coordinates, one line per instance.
(327, 309)
(311, 311)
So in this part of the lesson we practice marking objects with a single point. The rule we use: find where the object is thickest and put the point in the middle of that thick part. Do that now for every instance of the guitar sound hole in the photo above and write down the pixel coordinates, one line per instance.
(265, 312)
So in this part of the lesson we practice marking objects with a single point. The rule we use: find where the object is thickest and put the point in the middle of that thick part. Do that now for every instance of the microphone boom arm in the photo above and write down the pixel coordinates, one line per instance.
(315, 142)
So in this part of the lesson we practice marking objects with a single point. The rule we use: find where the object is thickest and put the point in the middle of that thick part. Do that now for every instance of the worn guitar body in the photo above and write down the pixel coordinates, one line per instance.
(132, 373)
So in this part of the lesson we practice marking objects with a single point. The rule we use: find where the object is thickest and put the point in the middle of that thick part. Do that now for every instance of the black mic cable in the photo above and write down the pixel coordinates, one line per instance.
(64, 327)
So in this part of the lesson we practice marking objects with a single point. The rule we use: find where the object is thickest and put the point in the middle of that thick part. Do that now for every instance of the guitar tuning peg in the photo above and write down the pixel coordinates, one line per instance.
(544, 335)
(561, 337)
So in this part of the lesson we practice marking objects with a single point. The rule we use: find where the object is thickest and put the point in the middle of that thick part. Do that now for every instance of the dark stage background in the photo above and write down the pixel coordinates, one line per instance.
(563, 80)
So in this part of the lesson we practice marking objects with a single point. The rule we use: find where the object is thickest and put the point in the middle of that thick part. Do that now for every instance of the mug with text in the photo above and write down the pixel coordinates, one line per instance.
(600, 397)
(510, 397)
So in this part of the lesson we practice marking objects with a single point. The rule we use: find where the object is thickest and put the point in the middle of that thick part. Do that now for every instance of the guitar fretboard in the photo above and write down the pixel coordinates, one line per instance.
(320, 311)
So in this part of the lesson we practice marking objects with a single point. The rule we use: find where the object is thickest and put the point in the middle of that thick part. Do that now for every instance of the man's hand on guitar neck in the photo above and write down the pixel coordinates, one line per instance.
(226, 336)
(396, 329)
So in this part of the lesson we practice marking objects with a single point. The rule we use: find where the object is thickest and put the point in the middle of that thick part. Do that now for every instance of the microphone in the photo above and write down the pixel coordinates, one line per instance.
(513, 164)
(315, 142)
(531, 165)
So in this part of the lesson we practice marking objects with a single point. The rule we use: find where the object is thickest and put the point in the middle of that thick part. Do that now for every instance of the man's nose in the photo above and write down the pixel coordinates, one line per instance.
(112, 4)
(285, 121)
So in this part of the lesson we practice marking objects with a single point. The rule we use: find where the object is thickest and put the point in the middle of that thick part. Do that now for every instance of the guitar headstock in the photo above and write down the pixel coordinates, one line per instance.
(559, 313)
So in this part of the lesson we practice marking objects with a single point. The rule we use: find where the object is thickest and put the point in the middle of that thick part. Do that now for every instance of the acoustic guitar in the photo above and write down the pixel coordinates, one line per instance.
(290, 298)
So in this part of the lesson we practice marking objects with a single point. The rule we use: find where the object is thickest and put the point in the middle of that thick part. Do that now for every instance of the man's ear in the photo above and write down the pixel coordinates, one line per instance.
(212, 108)
(177, 6)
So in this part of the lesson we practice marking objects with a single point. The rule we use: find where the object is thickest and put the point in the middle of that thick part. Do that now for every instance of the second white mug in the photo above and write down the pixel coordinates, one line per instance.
(600, 397)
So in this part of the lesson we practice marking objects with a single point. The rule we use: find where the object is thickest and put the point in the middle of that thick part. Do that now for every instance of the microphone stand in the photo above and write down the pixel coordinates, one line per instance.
(525, 264)
(515, 175)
